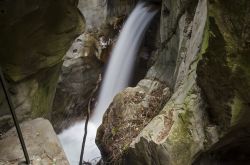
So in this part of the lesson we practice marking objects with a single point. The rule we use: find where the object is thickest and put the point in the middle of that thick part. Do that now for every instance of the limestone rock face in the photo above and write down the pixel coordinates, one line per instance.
(41, 141)
(35, 35)
(131, 111)
(204, 60)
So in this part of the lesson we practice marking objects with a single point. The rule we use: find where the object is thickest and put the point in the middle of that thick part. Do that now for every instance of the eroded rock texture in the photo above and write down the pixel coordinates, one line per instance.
(204, 61)
(35, 35)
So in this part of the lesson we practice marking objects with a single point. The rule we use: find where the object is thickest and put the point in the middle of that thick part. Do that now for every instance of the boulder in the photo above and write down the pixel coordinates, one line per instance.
(129, 113)
(42, 144)
(79, 76)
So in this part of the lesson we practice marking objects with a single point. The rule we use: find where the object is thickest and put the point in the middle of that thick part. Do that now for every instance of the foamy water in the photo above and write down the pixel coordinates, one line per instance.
(71, 139)
(116, 78)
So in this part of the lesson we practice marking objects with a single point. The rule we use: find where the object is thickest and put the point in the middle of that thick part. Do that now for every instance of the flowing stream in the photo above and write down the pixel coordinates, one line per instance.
(116, 78)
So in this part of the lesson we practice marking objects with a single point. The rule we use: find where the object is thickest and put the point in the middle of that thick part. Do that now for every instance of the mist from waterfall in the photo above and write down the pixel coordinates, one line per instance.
(117, 77)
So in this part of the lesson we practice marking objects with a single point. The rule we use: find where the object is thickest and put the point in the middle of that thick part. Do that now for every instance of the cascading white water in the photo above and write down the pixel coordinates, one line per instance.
(123, 58)
(116, 78)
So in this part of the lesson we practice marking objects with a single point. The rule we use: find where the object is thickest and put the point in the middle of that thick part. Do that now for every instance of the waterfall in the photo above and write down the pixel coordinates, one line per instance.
(123, 58)
(116, 78)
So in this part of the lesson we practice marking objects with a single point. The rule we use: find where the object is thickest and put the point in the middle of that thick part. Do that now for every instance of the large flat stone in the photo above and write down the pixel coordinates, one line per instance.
(42, 144)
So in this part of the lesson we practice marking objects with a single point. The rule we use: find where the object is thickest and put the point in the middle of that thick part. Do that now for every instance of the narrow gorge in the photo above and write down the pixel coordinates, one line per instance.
(165, 82)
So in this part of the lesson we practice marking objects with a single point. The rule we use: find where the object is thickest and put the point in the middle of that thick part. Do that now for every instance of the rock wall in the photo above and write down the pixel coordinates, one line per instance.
(203, 57)
(35, 35)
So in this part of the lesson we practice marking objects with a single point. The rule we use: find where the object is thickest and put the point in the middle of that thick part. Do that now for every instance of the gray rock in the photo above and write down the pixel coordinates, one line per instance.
(129, 113)
(42, 144)
(79, 75)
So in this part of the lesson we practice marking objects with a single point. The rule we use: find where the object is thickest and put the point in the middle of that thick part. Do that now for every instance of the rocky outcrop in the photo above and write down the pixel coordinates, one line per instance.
(34, 38)
(41, 141)
(202, 59)
(79, 76)
(131, 111)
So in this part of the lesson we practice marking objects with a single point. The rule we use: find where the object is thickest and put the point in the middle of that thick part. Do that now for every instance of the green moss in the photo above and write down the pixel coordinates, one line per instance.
(237, 107)
(181, 137)
(205, 39)
(114, 131)
(181, 140)
(44, 96)
(224, 70)
(214, 77)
